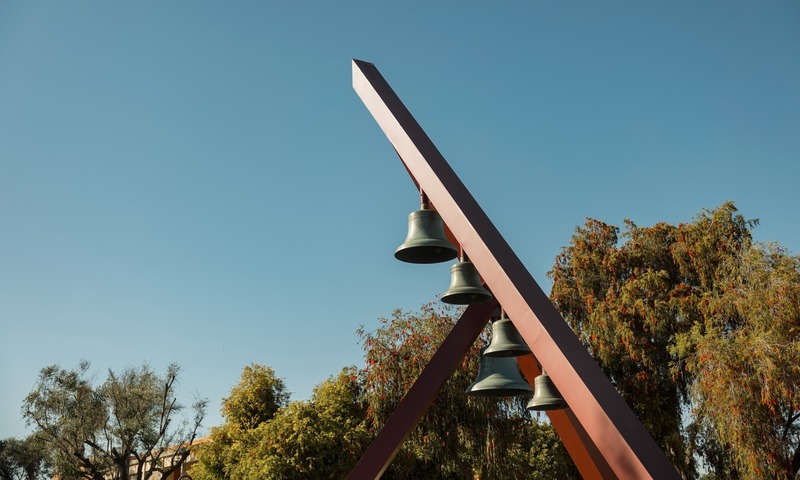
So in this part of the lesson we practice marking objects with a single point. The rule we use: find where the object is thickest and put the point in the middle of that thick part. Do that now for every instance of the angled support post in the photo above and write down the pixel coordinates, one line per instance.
(600, 431)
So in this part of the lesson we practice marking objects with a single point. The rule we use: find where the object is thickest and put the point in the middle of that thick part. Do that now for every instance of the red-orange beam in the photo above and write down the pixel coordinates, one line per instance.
(625, 446)
(419, 397)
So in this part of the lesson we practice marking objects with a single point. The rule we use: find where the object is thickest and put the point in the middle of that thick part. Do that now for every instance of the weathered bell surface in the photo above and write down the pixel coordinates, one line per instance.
(506, 340)
(426, 241)
(498, 377)
(546, 396)
(465, 285)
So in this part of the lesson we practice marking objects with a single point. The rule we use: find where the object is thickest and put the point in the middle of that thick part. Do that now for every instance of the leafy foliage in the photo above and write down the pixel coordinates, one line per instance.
(256, 398)
(694, 322)
(324, 437)
(125, 424)
(745, 362)
(459, 436)
(253, 401)
(320, 438)
(23, 459)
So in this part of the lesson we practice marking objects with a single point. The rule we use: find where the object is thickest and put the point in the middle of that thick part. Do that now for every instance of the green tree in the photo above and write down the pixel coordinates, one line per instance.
(458, 436)
(696, 325)
(324, 437)
(320, 438)
(23, 459)
(128, 424)
(256, 398)
(252, 402)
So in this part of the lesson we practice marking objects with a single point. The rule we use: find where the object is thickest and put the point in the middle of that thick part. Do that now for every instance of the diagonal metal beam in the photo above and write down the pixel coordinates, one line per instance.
(419, 397)
(618, 436)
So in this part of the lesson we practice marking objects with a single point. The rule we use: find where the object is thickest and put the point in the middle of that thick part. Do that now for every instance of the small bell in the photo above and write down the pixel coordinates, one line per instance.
(465, 285)
(506, 340)
(426, 241)
(546, 396)
(498, 377)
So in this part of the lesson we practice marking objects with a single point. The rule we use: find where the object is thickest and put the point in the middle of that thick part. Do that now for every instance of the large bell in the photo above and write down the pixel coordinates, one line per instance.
(426, 242)
(465, 285)
(506, 340)
(498, 377)
(546, 396)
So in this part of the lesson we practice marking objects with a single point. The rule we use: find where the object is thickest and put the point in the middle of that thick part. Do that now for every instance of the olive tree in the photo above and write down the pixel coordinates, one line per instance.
(127, 427)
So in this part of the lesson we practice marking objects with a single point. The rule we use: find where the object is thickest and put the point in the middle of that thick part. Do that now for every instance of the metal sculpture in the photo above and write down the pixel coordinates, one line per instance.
(599, 430)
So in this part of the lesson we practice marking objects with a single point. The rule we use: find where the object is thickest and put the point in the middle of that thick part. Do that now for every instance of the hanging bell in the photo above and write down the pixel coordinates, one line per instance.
(426, 241)
(506, 340)
(498, 377)
(546, 396)
(465, 285)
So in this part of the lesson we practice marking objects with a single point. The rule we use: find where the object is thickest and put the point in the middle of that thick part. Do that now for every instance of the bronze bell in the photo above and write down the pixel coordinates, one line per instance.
(506, 340)
(426, 241)
(546, 396)
(465, 285)
(498, 377)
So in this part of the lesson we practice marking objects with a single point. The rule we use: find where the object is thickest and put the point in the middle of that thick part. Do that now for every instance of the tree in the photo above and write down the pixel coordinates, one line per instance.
(253, 401)
(122, 428)
(320, 438)
(325, 436)
(744, 357)
(459, 436)
(697, 327)
(621, 303)
(256, 398)
(23, 459)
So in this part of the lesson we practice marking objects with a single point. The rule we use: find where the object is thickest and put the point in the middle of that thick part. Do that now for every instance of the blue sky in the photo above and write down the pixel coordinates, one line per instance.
(198, 182)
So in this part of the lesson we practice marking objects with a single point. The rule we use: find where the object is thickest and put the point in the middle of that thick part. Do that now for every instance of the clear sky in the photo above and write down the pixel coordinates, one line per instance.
(196, 181)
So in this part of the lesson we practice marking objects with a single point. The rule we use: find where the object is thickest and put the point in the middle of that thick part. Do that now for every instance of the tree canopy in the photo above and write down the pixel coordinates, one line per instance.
(318, 438)
(256, 398)
(324, 437)
(127, 427)
(697, 326)
(459, 436)
(23, 459)
(253, 401)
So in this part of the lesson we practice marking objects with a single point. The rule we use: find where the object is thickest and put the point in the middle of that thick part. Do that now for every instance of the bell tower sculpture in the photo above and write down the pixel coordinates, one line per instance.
(601, 433)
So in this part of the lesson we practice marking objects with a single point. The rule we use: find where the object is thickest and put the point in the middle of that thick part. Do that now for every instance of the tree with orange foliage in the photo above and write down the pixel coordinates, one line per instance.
(697, 326)
(458, 437)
